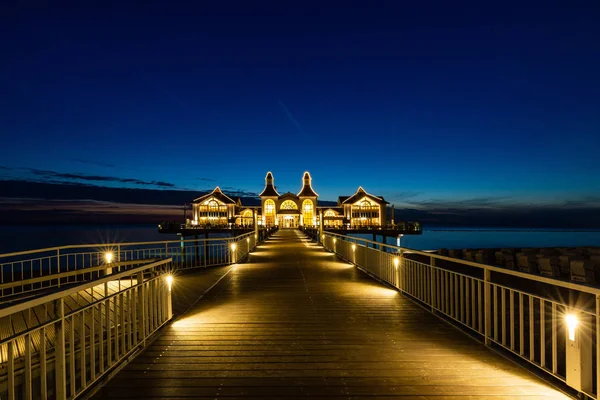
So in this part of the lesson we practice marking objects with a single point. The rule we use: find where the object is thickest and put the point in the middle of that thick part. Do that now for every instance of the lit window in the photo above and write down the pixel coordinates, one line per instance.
(269, 212)
(289, 205)
(307, 212)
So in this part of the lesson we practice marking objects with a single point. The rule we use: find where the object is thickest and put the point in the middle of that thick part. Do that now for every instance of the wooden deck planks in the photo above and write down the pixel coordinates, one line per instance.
(294, 322)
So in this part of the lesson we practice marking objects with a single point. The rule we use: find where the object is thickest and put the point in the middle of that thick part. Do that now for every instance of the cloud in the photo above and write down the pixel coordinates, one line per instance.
(98, 163)
(230, 191)
(206, 179)
(61, 177)
(401, 196)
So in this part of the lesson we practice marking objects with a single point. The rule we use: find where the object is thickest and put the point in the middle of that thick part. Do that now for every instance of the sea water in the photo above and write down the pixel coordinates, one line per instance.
(27, 237)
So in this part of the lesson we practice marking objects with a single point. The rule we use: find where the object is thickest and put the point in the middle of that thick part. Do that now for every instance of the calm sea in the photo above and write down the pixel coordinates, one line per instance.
(16, 238)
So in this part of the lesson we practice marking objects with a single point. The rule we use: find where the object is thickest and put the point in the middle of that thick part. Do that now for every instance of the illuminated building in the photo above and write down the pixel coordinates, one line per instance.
(289, 210)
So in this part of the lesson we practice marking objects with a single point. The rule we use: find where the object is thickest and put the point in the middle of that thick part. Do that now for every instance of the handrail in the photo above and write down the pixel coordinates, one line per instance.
(73, 273)
(528, 317)
(484, 267)
(33, 270)
(76, 289)
(109, 245)
(82, 332)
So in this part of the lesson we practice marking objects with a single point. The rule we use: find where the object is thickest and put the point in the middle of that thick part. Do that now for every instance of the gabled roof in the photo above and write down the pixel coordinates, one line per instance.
(307, 189)
(288, 195)
(217, 194)
(269, 189)
(360, 193)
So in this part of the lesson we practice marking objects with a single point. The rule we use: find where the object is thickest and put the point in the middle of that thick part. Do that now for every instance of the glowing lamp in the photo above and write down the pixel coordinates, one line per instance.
(169, 279)
(334, 240)
(233, 246)
(322, 236)
(396, 262)
(248, 240)
(572, 323)
(353, 247)
(108, 256)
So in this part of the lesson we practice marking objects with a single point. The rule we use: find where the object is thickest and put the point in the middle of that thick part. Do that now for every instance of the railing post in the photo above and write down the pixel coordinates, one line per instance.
(320, 238)
(119, 268)
(28, 350)
(255, 216)
(141, 308)
(578, 352)
(169, 303)
(487, 306)
(60, 364)
(11, 370)
(58, 264)
(432, 284)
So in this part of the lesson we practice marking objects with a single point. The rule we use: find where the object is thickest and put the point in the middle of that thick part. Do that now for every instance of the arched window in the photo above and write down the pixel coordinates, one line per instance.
(289, 205)
(247, 218)
(329, 213)
(308, 213)
(269, 212)
(213, 210)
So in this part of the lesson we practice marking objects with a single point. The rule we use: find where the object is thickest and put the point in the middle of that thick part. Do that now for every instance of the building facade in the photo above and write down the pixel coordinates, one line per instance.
(290, 210)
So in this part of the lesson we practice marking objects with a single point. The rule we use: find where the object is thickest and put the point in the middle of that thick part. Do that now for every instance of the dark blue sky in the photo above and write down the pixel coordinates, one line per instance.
(474, 103)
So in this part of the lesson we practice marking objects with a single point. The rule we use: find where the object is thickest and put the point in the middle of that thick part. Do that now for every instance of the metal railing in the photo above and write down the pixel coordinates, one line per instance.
(63, 342)
(58, 343)
(552, 324)
(28, 272)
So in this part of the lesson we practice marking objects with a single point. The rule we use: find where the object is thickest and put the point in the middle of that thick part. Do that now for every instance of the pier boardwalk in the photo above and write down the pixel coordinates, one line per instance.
(295, 322)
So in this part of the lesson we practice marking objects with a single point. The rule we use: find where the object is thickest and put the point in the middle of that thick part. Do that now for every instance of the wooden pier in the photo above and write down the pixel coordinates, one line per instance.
(295, 321)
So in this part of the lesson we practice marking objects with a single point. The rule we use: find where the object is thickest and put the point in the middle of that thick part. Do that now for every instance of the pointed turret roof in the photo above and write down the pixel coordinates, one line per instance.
(269, 189)
(307, 189)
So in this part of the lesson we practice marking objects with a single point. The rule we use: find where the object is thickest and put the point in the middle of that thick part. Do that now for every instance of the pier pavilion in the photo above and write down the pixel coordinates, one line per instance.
(290, 210)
